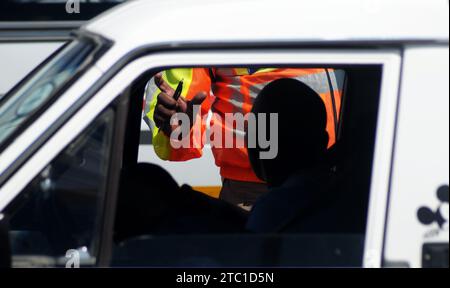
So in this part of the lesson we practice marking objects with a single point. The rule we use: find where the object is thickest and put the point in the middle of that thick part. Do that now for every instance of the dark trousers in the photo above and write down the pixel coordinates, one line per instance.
(242, 194)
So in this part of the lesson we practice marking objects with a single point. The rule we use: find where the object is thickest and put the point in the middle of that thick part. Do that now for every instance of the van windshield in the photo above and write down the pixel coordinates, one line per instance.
(21, 103)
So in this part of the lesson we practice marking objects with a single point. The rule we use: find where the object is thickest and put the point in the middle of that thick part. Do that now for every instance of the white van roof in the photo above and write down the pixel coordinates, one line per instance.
(163, 22)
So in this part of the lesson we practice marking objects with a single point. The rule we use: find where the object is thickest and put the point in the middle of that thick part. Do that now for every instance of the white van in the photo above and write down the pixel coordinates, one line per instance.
(69, 129)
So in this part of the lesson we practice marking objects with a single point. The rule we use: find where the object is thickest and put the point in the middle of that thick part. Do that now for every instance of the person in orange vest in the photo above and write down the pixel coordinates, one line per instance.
(222, 91)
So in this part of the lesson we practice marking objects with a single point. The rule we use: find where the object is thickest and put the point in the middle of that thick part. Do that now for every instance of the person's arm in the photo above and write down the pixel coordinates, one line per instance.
(160, 106)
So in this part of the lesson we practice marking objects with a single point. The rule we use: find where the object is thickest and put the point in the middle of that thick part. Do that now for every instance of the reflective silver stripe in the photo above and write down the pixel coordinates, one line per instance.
(255, 90)
(150, 92)
(317, 81)
(150, 123)
(337, 79)
(236, 97)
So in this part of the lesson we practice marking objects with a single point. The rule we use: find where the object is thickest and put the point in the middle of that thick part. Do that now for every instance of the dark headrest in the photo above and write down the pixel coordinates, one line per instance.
(302, 119)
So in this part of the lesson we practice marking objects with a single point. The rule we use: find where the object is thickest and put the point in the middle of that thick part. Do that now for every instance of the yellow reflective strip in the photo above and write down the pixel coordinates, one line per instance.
(152, 111)
(265, 70)
(241, 71)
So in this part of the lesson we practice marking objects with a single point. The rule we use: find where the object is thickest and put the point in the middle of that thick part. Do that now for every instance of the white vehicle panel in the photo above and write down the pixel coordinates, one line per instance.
(381, 168)
(421, 163)
(171, 22)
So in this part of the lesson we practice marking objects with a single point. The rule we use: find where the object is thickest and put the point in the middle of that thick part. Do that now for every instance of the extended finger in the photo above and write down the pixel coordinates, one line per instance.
(163, 85)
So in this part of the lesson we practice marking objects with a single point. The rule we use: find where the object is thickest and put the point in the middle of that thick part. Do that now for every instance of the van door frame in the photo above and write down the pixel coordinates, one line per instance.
(389, 58)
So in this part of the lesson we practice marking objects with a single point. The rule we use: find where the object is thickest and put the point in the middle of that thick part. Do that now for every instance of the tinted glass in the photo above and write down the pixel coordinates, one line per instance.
(21, 104)
(61, 209)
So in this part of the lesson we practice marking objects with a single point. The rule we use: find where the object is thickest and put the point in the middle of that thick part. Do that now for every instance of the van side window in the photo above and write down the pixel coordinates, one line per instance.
(316, 217)
(65, 201)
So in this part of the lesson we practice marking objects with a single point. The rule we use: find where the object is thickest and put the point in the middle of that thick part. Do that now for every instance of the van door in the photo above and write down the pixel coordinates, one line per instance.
(417, 226)
(375, 164)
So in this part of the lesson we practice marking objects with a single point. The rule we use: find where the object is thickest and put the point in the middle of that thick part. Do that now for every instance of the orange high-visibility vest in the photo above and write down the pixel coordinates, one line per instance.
(233, 90)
